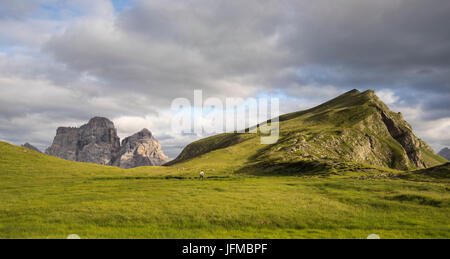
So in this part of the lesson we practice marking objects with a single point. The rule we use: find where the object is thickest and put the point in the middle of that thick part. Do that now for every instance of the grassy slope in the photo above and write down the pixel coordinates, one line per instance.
(330, 133)
(45, 197)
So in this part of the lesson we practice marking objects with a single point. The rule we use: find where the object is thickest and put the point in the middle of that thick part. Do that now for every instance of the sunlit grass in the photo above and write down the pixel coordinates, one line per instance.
(45, 197)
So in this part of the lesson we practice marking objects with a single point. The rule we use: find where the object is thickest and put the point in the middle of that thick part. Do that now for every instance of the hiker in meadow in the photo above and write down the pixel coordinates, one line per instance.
(202, 175)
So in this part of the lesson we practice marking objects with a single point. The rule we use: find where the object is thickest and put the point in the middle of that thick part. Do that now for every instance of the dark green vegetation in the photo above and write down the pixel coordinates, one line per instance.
(335, 173)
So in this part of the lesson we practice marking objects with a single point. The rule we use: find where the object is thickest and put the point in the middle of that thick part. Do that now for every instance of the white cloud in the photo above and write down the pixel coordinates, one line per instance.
(433, 131)
(388, 96)
(436, 132)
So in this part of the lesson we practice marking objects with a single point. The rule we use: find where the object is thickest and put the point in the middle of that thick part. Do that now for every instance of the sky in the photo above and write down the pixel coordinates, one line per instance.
(63, 62)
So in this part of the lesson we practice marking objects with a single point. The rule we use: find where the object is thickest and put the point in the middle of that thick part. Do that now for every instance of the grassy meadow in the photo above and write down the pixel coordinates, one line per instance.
(46, 197)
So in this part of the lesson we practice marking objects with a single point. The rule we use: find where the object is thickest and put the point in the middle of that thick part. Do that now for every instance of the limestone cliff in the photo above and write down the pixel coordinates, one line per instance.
(65, 144)
(141, 149)
(97, 142)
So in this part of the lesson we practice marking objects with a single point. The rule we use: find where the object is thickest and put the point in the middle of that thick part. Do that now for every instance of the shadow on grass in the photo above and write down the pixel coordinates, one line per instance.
(418, 199)
(439, 172)
(260, 164)
(273, 168)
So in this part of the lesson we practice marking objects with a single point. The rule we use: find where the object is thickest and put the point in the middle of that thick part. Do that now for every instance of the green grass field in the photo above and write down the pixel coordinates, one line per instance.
(46, 197)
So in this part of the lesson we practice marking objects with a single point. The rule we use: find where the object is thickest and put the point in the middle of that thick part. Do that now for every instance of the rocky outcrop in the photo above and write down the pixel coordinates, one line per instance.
(97, 142)
(31, 147)
(141, 149)
(65, 144)
(445, 153)
(403, 134)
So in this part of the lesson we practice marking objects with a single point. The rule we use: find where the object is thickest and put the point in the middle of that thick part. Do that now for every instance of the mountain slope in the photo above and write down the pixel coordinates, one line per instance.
(445, 153)
(352, 128)
(19, 165)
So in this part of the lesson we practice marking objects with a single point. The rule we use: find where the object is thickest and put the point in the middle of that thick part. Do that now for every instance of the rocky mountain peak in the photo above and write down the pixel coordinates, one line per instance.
(141, 149)
(97, 142)
(145, 133)
(100, 122)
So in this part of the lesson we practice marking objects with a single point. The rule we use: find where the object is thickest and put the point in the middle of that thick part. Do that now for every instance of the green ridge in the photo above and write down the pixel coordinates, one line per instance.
(352, 128)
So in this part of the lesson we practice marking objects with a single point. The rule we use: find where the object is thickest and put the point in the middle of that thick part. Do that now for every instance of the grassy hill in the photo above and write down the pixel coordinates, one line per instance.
(251, 190)
(352, 128)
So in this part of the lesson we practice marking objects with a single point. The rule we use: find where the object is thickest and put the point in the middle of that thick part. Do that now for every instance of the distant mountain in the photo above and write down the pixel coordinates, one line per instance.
(31, 147)
(352, 128)
(97, 142)
(141, 149)
(445, 153)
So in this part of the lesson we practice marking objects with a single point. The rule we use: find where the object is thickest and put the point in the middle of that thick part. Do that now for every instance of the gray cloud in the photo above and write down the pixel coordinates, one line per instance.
(192, 44)
(374, 44)
(18, 8)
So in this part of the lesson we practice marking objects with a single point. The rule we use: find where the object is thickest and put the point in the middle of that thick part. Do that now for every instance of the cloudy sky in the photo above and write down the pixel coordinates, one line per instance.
(65, 61)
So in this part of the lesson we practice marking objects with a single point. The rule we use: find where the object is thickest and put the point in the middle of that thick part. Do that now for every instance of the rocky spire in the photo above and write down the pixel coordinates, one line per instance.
(96, 142)
(141, 149)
